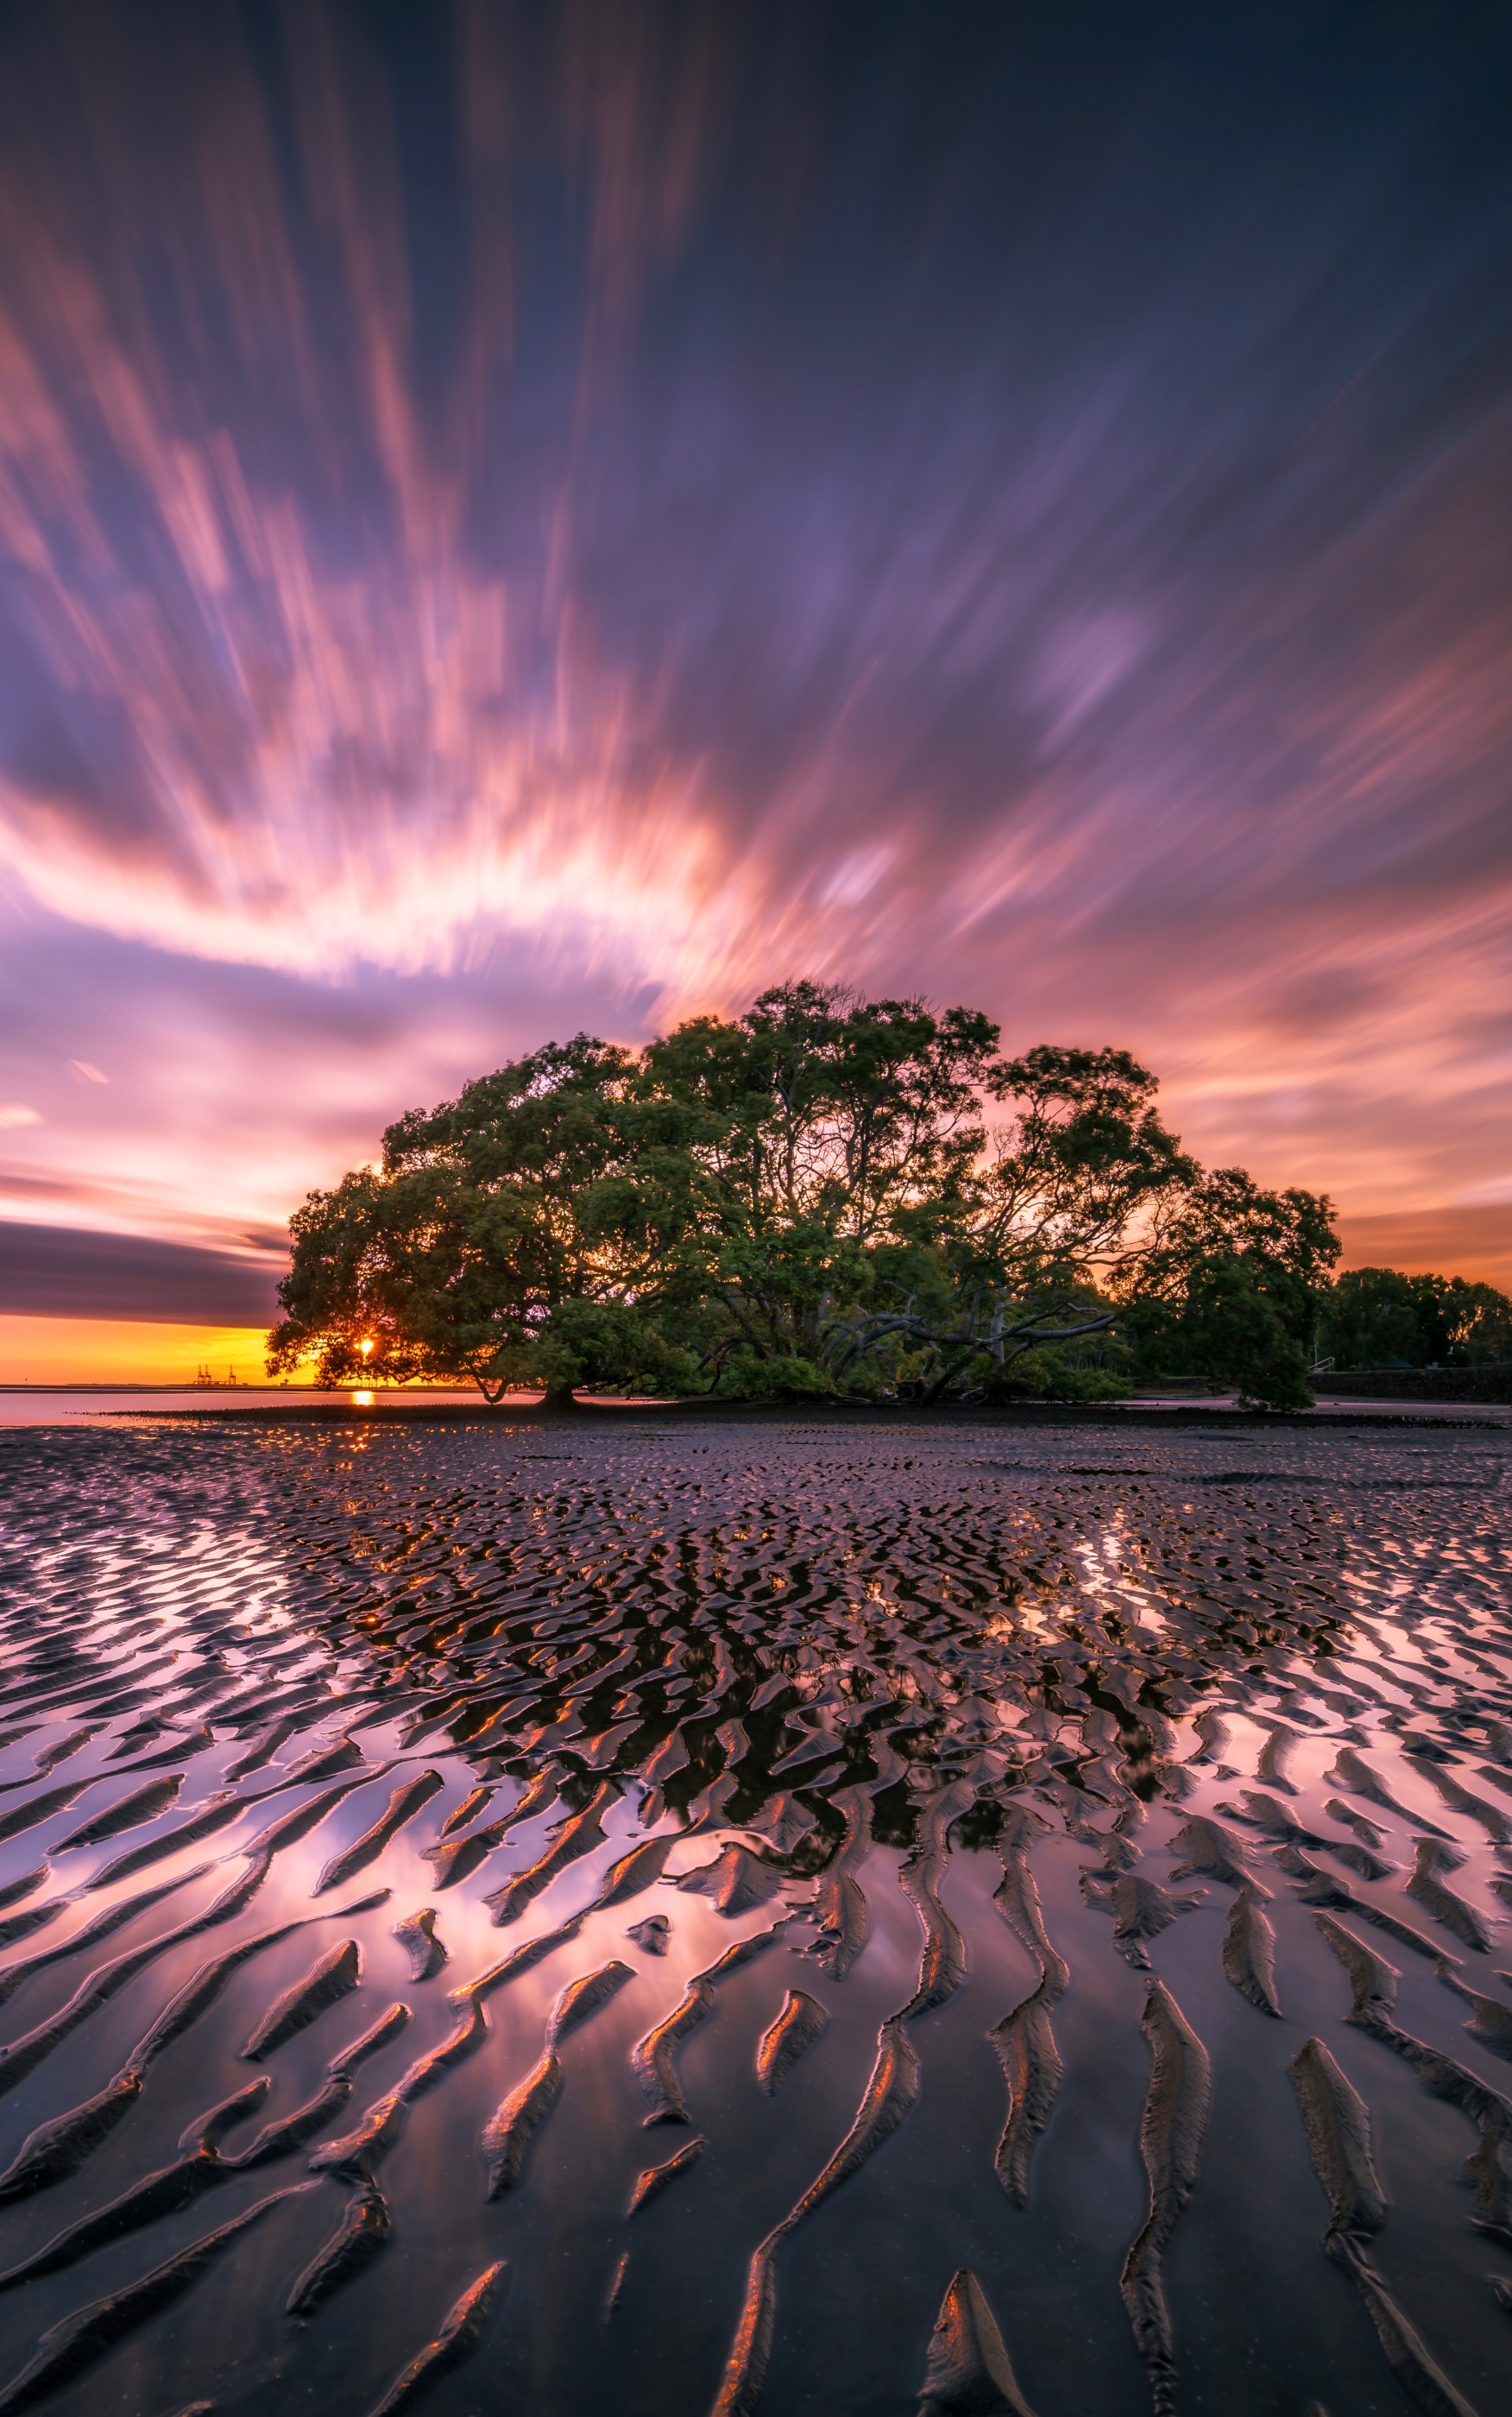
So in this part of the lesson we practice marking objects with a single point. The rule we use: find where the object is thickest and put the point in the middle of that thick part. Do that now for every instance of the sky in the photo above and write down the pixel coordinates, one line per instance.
(523, 520)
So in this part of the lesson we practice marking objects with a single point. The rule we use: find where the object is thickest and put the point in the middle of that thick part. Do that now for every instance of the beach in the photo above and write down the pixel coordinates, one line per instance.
(662, 1917)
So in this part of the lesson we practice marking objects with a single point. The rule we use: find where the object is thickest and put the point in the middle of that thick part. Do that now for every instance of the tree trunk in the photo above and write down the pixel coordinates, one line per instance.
(559, 1397)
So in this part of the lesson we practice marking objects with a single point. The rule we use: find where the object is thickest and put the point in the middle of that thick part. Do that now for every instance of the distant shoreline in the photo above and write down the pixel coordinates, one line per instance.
(882, 1414)
(276, 1392)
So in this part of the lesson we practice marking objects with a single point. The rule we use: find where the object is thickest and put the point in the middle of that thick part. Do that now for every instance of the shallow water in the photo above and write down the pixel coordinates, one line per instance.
(22, 1405)
(880, 1697)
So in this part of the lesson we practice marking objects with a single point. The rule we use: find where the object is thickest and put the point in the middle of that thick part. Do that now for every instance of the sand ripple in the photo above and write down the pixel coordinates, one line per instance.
(827, 1780)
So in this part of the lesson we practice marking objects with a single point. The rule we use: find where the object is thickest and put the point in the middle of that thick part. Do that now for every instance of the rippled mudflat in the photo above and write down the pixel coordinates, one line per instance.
(524, 1919)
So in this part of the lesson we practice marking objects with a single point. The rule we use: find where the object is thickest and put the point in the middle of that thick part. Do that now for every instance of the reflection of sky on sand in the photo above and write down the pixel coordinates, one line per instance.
(965, 1616)
(1107, 1575)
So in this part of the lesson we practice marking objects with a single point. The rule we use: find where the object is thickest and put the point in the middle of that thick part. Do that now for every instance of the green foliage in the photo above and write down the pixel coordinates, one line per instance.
(804, 1201)
(783, 1377)
(521, 1234)
(1376, 1318)
(1230, 1287)
(1085, 1154)
(1224, 1326)
(1043, 1374)
(830, 1113)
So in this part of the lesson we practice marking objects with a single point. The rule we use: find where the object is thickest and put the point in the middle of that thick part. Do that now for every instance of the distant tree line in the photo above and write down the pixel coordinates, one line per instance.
(1374, 1318)
(825, 1196)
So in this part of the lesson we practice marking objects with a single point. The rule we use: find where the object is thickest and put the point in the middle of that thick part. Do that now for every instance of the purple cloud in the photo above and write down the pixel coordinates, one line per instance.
(501, 532)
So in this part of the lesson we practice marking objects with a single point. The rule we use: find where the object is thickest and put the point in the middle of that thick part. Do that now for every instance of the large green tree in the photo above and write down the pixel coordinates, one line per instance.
(828, 1194)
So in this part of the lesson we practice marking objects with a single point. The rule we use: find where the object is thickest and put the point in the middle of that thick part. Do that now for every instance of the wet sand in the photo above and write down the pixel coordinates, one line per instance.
(913, 1920)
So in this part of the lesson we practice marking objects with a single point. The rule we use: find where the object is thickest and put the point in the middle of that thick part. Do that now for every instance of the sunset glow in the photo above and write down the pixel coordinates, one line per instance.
(120, 1351)
(506, 535)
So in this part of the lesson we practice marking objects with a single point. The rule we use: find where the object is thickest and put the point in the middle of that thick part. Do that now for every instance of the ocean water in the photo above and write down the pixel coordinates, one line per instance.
(23, 1405)
(508, 1917)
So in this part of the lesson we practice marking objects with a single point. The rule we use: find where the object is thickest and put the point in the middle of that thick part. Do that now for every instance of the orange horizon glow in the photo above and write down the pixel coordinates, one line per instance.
(121, 1351)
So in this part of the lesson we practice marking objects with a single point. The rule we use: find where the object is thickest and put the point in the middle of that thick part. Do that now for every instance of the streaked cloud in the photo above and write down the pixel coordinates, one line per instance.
(48, 1271)
(506, 527)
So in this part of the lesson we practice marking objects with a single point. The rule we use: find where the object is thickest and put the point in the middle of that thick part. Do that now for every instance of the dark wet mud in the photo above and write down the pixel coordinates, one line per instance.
(838, 1925)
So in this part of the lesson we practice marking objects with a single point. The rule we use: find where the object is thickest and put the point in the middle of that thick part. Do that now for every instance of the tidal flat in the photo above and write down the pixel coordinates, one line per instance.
(844, 1923)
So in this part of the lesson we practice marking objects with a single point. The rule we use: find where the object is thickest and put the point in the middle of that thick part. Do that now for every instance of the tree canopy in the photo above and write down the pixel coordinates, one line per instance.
(827, 1194)
(1376, 1318)
(513, 1235)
